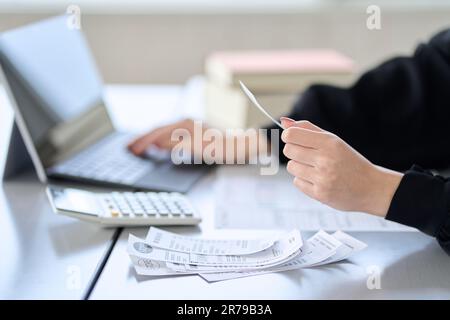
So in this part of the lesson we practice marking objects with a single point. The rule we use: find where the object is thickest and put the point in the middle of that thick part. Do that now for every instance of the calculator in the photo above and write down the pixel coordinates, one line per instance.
(124, 208)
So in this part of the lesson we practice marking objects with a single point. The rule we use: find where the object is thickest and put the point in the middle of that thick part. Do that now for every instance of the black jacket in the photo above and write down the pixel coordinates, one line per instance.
(398, 116)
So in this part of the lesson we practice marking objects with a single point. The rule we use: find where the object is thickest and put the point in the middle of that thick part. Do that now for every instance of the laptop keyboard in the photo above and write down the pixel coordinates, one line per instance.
(107, 160)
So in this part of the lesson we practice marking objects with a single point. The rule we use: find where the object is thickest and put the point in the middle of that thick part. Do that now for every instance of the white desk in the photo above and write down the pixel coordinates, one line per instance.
(43, 255)
(412, 265)
(46, 256)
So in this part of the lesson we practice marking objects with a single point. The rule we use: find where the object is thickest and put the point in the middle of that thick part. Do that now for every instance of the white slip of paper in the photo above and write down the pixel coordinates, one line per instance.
(286, 246)
(318, 248)
(255, 102)
(147, 267)
(232, 268)
(350, 246)
(170, 241)
(139, 248)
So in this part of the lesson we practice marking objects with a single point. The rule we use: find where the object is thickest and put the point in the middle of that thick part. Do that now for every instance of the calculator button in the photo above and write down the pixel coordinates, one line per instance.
(114, 213)
(174, 210)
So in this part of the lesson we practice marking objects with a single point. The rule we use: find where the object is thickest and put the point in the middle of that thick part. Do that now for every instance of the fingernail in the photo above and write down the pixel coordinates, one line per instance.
(287, 119)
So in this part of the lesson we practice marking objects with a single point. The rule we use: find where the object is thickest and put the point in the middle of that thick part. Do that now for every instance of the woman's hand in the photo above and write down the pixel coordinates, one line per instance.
(161, 137)
(330, 171)
(218, 151)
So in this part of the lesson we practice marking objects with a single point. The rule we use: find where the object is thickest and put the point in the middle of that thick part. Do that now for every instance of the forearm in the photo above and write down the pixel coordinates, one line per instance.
(381, 190)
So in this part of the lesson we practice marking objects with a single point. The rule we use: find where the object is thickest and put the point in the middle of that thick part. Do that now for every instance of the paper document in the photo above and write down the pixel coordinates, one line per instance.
(255, 102)
(273, 202)
(318, 248)
(287, 252)
(349, 247)
(286, 246)
(170, 241)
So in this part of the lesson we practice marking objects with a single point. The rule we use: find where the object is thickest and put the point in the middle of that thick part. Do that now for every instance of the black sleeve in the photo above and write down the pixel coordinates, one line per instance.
(395, 115)
(422, 201)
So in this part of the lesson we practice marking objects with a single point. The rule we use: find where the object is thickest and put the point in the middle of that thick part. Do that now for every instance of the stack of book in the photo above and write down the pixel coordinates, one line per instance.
(277, 78)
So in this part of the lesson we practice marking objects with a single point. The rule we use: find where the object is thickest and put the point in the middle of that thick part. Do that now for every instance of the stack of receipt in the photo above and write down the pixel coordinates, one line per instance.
(164, 253)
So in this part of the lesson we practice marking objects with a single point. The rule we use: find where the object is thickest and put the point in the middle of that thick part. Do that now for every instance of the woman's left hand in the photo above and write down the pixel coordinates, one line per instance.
(329, 170)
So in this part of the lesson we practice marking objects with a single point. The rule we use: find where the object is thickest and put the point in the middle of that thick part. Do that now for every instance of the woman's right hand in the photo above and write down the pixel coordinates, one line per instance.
(164, 138)
(160, 137)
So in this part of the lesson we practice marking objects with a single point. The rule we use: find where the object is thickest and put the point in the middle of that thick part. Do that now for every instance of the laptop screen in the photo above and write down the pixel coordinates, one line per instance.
(55, 82)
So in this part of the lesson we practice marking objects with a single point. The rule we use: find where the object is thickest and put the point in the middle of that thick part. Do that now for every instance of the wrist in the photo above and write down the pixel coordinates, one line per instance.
(383, 185)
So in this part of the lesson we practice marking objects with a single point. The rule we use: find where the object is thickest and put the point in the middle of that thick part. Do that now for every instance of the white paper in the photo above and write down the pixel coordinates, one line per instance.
(171, 241)
(273, 202)
(255, 102)
(316, 249)
(287, 253)
(286, 246)
(350, 246)
(139, 248)
(230, 268)
(149, 267)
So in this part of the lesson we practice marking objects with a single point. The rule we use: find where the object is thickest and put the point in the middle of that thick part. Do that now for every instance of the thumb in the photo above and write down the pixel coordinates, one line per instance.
(288, 122)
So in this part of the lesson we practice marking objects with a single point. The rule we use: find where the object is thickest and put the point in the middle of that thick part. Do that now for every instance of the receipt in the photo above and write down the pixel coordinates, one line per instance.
(141, 249)
(145, 266)
(287, 253)
(171, 241)
(316, 249)
(148, 267)
(227, 268)
(349, 246)
(319, 247)
(286, 246)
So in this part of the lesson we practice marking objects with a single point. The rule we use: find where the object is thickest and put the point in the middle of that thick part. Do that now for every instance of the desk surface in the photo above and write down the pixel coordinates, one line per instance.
(45, 255)
(412, 266)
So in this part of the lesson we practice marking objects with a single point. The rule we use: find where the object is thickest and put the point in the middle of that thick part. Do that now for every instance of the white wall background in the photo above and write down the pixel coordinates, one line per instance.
(167, 46)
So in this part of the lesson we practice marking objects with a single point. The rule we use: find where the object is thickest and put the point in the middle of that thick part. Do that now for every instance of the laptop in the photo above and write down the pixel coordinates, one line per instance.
(55, 89)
